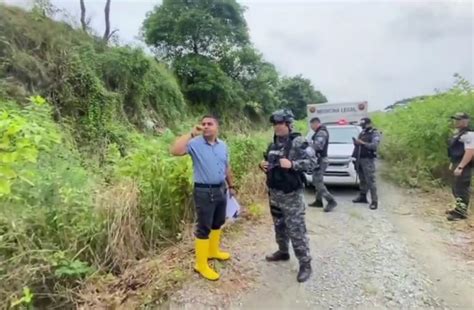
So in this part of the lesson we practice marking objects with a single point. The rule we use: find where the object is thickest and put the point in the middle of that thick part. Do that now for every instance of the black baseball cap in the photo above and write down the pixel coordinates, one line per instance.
(460, 116)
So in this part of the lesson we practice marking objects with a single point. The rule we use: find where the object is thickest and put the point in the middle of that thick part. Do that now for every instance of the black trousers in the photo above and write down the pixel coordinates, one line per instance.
(210, 206)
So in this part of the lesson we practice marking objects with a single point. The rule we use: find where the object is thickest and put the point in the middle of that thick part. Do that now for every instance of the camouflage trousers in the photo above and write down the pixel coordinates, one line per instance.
(366, 172)
(318, 181)
(461, 188)
(288, 213)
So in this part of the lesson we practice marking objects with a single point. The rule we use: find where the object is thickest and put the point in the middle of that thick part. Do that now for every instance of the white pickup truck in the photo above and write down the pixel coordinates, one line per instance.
(341, 121)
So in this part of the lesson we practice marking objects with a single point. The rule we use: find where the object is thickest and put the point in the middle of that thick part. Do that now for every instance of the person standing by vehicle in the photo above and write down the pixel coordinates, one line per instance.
(285, 160)
(320, 143)
(211, 170)
(365, 152)
(461, 155)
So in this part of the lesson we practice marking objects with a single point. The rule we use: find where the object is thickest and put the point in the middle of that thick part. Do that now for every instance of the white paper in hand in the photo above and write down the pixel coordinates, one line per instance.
(233, 207)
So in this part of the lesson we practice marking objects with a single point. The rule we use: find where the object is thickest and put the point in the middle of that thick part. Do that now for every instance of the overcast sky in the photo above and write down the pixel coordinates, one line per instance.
(379, 51)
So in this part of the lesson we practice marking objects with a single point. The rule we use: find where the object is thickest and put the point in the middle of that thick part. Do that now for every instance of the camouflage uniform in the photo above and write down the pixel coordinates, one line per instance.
(286, 190)
(288, 209)
(365, 155)
(461, 185)
(366, 172)
(320, 142)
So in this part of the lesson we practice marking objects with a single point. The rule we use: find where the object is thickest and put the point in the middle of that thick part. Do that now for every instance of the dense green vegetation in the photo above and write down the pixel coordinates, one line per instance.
(415, 137)
(87, 185)
(62, 220)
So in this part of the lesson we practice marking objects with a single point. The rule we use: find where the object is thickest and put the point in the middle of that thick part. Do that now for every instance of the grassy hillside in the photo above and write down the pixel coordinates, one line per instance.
(87, 186)
(99, 91)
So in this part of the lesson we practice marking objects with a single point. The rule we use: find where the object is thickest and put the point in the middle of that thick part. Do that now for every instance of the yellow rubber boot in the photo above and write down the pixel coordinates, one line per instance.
(201, 266)
(214, 242)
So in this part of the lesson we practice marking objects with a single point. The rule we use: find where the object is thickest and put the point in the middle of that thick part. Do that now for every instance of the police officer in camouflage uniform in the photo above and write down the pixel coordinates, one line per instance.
(285, 161)
(320, 144)
(365, 152)
(461, 155)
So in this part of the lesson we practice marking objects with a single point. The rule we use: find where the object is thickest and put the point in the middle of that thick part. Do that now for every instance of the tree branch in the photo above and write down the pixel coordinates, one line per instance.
(83, 16)
(107, 21)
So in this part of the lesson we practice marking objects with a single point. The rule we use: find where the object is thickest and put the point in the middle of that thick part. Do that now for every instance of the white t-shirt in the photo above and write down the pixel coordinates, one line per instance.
(468, 140)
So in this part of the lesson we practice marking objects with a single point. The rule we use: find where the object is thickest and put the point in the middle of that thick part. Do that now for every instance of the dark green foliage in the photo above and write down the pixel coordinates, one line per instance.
(297, 92)
(205, 27)
(203, 81)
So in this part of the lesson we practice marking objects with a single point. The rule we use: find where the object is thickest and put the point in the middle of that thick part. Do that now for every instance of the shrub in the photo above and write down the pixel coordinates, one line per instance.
(415, 137)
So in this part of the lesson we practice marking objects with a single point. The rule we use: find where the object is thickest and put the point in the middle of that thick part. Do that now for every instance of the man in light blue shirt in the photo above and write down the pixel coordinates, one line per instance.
(211, 172)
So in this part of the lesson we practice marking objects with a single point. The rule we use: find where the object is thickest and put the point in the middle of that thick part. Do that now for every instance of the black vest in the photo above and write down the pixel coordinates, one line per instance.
(360, 151)
(324, 152)
(285, 180)
(456, 148)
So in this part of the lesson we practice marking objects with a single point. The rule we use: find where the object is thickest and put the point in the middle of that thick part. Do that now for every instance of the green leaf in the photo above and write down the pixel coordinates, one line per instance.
(23, 178)
(31, 154)
(7, 172)
(38, 100)
(5, 187)
(13, 129)
(9, 157)
(27, 295)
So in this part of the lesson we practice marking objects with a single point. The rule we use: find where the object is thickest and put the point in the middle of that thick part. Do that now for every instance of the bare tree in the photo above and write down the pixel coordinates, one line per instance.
(83, 16)
(107, 33)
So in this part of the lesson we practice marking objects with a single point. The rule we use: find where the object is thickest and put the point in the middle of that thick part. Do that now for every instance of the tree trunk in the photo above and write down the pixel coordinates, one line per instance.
(83, 16)
(107, 21)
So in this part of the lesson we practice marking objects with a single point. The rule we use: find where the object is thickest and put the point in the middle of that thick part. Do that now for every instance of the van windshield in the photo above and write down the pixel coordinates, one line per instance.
(342, 135)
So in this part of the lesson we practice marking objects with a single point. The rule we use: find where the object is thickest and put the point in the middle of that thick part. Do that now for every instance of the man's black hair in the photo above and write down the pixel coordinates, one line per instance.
(315, 119)
(211, 116)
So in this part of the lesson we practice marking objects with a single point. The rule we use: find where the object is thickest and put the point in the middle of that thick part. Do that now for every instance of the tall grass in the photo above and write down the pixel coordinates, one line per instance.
(415, 138)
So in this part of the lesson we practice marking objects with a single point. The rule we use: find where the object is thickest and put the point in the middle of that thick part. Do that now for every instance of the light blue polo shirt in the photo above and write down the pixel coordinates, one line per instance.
(210, 161)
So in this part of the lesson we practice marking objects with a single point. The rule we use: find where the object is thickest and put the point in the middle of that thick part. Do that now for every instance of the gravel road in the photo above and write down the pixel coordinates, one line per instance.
(362, 259)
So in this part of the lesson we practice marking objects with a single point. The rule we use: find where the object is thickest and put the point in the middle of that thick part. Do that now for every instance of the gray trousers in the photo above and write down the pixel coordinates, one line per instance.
(318, 181)
(288, 213)
(366, 171)
(461, 188)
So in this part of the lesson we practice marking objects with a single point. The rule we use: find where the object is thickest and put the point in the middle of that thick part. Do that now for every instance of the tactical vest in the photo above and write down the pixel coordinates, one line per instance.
(324, 152)
(285, 180)
(360, 151)
(456, 148)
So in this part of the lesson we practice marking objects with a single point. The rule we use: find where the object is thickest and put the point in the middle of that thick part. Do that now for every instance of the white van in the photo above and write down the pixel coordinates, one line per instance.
(341, 121)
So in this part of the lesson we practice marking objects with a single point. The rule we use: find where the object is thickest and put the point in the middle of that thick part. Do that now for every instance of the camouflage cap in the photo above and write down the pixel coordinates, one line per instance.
(460, 116)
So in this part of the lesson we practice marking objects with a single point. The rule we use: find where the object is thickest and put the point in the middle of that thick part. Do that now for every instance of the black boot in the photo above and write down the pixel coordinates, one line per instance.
(317, 203)
(331, 205)
(305, 272)
(374, 205)
(456, 216)
(277, 256)
(362, 198)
